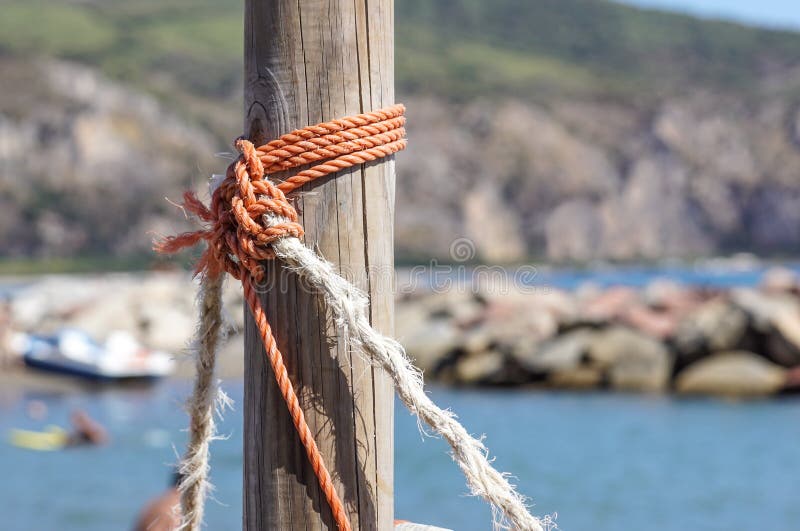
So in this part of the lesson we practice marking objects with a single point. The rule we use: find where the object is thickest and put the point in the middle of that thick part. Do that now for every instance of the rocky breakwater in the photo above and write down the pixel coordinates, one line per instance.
(662, 338)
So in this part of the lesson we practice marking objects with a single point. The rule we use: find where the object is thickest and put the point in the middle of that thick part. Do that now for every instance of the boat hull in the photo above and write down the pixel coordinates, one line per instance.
(86, 372)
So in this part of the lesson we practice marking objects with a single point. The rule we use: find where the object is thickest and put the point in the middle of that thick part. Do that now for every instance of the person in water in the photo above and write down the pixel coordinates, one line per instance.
(85, 431)
(162, 513)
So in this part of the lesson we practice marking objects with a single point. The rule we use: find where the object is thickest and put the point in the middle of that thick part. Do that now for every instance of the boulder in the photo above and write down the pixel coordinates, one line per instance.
(733, 373)
(776, 316)
(576, 378)
(633, 361)
(560, 361)
(512, 321)
(674, 299)
(563, 353)
(559, 304)
(477, 340)
(663, 293)
(786, 339)
(657, 324)
(792, 383)
(764, 307)
(484, 368)
(716, 325)
(458, 304)
(609, 304)
(430, 344)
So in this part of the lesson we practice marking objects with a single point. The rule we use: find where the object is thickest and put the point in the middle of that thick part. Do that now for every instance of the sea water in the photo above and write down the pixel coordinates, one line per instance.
(596, 461)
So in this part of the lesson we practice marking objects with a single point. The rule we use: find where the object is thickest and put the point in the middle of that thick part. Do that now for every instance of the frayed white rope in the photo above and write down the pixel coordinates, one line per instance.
(348, 306)
(206, 397)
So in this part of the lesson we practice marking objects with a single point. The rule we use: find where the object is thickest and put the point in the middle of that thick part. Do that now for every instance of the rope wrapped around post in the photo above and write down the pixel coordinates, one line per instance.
(251, 220)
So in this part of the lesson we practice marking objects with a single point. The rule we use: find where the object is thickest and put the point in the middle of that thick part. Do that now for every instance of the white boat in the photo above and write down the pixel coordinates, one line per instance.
(72, 351)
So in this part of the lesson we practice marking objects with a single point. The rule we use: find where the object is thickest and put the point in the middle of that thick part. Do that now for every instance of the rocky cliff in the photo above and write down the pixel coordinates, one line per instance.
(577, 179)
(87, 163)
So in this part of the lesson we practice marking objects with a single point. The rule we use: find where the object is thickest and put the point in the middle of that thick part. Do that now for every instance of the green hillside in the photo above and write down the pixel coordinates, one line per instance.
(454, 48)
(585, 45)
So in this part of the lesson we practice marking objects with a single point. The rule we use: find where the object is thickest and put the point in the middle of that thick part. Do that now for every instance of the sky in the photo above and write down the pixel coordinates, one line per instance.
(771, 13)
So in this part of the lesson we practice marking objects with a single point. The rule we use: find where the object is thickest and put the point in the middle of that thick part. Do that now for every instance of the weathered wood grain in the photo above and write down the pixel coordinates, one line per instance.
(308, 61)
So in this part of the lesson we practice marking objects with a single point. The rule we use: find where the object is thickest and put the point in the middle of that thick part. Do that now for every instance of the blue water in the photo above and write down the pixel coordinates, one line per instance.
(702, 274)
(706, 274)
(601, 462)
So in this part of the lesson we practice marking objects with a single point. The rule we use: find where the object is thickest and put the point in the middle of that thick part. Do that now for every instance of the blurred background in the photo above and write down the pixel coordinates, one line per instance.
(631, 306)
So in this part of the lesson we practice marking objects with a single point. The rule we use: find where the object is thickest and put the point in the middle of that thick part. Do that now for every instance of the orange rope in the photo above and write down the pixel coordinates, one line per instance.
(238, 240)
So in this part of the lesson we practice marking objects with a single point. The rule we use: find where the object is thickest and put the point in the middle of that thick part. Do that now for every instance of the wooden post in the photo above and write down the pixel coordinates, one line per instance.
(308, 61)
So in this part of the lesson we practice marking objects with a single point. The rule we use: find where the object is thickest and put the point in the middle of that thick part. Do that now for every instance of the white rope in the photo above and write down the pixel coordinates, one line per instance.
(194, 467)
(348, 307)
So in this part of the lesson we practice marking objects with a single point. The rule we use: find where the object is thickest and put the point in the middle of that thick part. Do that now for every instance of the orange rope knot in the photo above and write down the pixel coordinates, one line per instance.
(238, 237)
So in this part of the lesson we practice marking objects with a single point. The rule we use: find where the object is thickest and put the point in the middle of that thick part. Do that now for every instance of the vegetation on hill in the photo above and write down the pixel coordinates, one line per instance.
(585, 45)
(455, 49)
